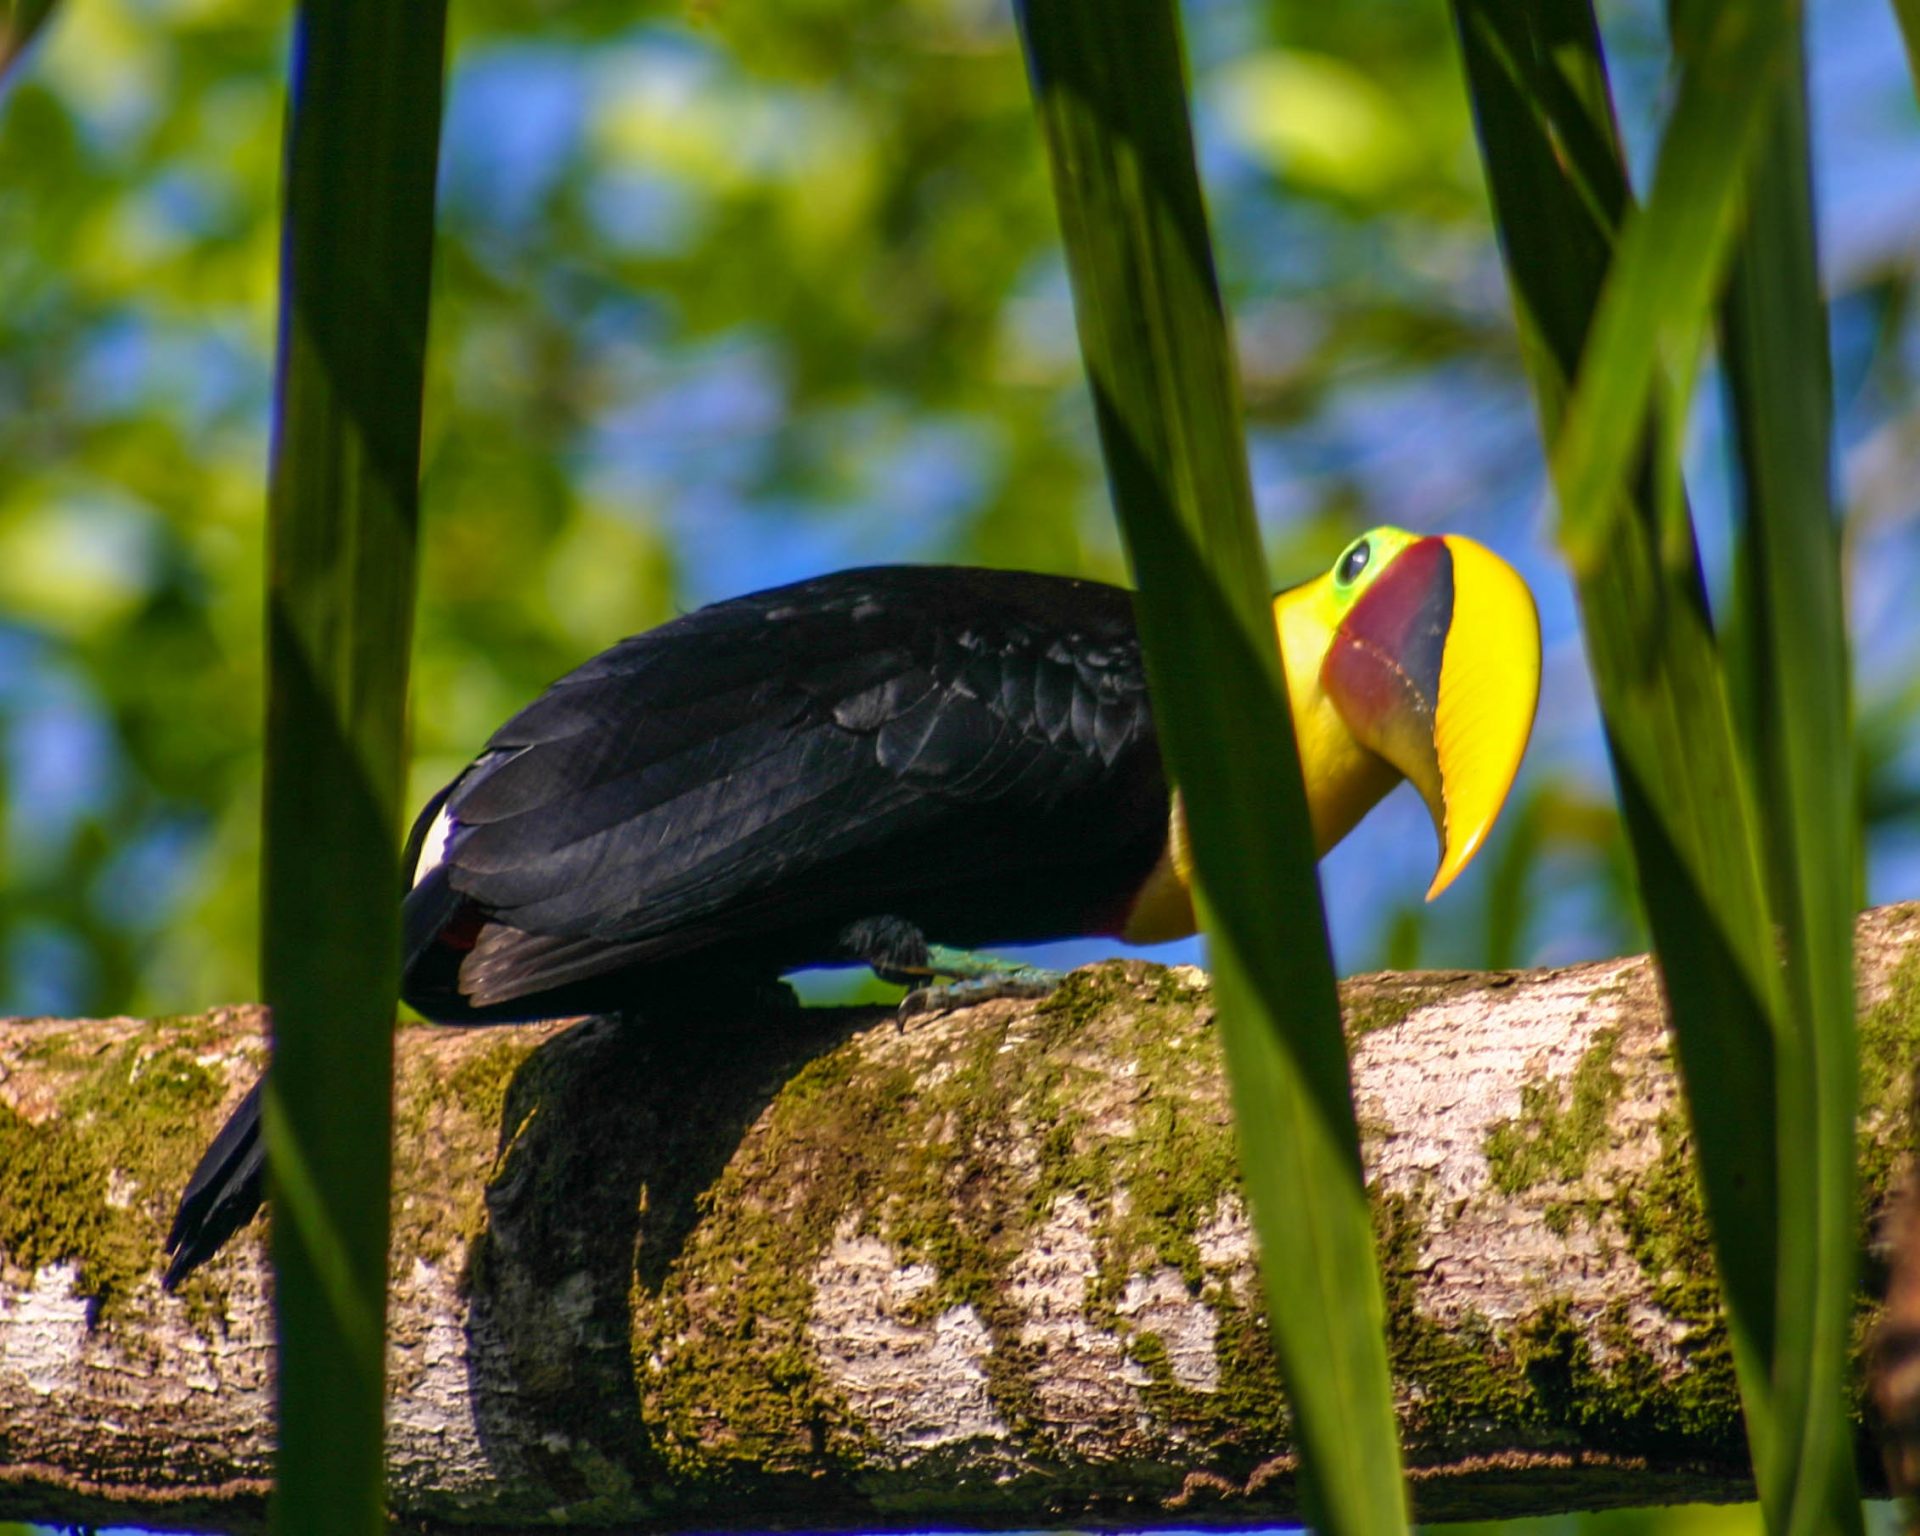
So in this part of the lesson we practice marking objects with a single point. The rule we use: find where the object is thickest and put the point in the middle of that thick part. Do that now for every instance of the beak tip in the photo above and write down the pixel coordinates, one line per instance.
(1454, 858)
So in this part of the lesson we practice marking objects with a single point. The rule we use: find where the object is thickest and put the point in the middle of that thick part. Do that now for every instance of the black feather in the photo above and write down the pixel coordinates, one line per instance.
(834, 770)
(969, 751)
(224, 1192)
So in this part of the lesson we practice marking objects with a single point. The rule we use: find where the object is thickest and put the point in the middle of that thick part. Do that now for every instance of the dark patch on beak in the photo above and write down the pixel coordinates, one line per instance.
(1383, 669)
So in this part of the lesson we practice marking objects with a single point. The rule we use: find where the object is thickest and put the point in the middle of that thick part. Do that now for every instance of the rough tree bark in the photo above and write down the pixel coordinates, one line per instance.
(991, 1268)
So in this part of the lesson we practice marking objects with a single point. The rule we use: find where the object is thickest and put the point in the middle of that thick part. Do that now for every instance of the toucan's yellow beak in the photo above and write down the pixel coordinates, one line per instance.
(1436, 668)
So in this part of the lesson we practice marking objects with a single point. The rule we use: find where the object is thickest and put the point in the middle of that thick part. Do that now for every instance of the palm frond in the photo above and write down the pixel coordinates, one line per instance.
(363, 135)
(1108, 82)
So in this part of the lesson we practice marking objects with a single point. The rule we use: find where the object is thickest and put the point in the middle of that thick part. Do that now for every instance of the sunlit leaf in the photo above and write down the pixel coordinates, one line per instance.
(1660, 286)
(1793, 632)
(1595, 317)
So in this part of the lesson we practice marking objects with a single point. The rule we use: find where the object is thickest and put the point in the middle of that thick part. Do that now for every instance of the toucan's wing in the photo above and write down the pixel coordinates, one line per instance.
(844, 744)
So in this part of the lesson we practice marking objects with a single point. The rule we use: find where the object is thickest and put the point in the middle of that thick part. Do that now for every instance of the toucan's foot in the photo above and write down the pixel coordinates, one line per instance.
(899, 953)
(965, 965)
(1030, 981)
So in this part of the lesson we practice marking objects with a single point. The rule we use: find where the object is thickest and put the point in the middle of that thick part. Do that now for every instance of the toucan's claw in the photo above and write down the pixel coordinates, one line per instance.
(976, 979)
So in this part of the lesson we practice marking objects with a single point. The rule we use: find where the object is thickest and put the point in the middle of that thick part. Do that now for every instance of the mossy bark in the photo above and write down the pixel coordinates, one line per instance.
(991, 1268)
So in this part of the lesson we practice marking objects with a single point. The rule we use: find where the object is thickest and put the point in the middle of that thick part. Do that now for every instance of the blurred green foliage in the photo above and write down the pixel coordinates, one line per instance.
(729, 293)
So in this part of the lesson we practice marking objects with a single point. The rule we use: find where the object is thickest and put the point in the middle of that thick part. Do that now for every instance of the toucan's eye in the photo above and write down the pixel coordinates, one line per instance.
(1352, 563)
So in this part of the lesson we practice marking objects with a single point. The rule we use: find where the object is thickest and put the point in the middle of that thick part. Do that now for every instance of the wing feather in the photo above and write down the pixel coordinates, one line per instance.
(754, 765)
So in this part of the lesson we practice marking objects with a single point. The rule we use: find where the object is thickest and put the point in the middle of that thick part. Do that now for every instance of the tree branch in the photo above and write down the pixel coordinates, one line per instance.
(988, 1269)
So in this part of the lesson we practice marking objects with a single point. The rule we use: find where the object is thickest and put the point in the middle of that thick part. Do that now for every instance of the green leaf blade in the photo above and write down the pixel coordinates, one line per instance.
(362, 144)
(1670, 257)
(1108, 87)
(1791, 650)
(1597, 317)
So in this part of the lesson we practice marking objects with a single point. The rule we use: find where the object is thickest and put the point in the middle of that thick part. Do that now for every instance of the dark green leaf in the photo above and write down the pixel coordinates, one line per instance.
(1107, 78)
(362, 143)
(1591, 315)
(20, 22)
(1908, 14)
(1661, 282)
(1793, 633)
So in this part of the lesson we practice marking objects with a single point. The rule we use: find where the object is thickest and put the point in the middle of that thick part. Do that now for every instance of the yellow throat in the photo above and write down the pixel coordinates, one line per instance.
(1414, 657)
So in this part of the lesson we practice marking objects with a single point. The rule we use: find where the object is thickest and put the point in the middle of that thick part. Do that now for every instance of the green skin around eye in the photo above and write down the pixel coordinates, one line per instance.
(1383, 546)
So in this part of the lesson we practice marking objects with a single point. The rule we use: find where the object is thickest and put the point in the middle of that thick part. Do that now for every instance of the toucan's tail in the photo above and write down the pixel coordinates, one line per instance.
(223, 1193)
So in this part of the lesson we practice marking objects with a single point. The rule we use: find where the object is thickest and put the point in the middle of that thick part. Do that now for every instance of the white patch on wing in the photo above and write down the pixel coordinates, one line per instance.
(434, 847)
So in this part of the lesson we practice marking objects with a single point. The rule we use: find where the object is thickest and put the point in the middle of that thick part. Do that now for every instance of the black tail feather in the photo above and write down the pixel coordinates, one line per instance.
(224, 1192)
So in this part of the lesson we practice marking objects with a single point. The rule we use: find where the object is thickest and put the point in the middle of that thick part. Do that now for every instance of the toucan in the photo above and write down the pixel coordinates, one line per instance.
(895, 766)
